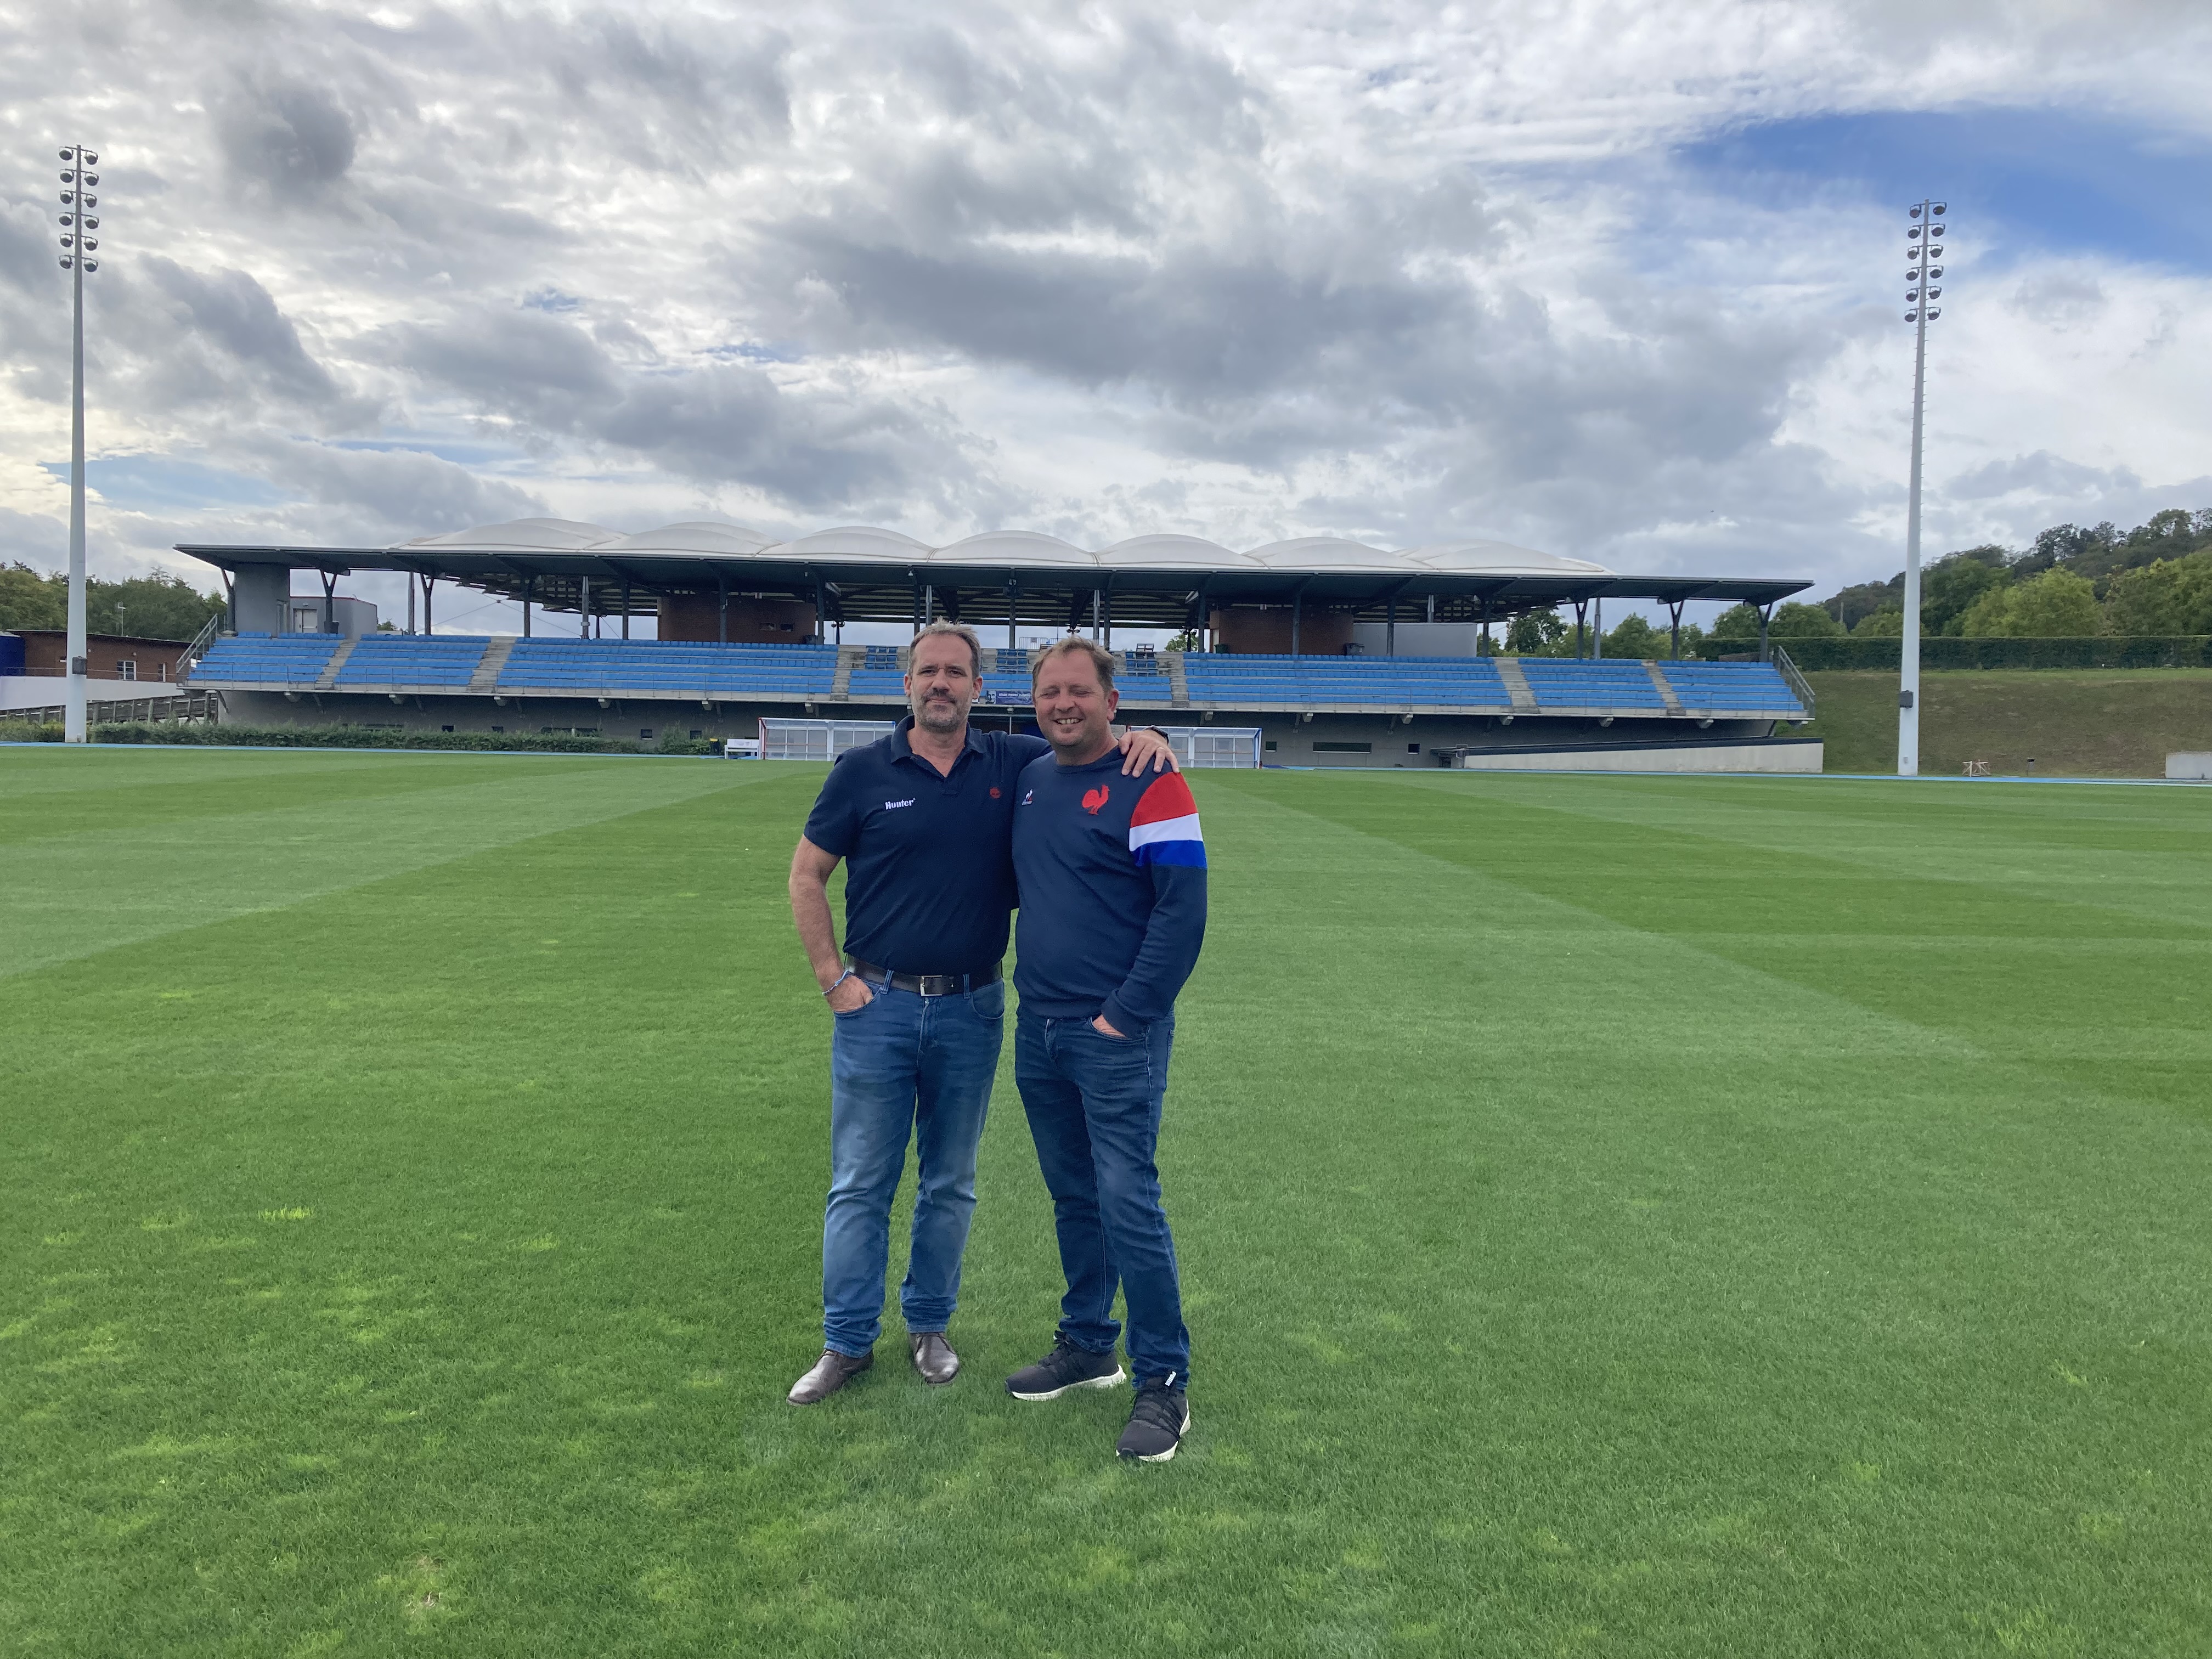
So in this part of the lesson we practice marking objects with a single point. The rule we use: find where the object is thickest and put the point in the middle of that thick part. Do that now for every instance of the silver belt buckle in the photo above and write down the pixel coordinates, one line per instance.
(939, 984)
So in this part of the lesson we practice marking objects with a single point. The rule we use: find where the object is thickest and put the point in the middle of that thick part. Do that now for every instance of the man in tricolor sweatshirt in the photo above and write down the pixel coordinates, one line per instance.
(1112, 874)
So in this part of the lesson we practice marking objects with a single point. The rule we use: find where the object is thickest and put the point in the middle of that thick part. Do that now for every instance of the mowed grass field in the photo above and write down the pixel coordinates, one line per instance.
(1619, 1216)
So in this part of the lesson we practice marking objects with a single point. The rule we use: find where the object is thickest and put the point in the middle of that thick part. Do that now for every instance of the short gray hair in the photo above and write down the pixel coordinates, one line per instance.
(1069, 645)
(941, 626)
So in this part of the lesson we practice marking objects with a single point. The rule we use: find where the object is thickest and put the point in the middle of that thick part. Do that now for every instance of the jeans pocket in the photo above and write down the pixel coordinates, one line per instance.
(989, 1003)
(874, 997)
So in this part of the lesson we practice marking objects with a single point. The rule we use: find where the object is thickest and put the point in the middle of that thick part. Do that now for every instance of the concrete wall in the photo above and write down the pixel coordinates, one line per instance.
(1390, 742)
(2194, 768)
(623, 717)
(1786, 755)
(350, 619)
(259, 593)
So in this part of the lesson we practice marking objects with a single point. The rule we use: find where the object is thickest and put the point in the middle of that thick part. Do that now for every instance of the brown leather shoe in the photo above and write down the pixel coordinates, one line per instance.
(831, 1372)
(932, 1356)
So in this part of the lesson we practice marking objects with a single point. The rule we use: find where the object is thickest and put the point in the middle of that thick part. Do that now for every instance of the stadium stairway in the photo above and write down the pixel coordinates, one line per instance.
(485, 675)
(328, 676)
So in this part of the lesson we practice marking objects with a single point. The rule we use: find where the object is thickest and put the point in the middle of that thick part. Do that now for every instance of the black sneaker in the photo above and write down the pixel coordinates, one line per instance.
(1065, 1367)
(1158, 1423)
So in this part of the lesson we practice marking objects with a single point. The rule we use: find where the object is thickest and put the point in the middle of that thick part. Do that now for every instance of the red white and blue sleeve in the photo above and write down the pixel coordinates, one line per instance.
(1164, 842)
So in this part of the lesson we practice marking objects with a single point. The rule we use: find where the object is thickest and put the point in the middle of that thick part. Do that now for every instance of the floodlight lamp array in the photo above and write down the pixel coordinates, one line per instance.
(78, 197)
(1923, 245)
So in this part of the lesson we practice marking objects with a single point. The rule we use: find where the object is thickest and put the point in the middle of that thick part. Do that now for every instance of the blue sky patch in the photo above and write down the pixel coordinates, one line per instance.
(156, 484)
(2017, 180)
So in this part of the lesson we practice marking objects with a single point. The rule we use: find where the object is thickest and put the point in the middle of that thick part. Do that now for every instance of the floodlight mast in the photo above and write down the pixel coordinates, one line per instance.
(1922, 251)
(77, 198)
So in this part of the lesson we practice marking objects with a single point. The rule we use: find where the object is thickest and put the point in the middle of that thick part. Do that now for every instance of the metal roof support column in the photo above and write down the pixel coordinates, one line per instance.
(821, 611)
(1765, 651)
(1109, 640)
(1674, 631)
(529, 592)
(1484, 647)
(929, 605)
(1582, 609)
(1390, 627)
(1432, 607)
(1297, 613)
(1013, 610)
(1597, 631)
(625, 607)
(329, 606)
(584, 607)
(411, 607)
(722, 608)
(1094, 615)
(429, 582)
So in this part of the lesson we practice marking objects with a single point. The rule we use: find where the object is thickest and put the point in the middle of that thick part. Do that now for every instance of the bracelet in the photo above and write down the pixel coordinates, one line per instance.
(831, 988)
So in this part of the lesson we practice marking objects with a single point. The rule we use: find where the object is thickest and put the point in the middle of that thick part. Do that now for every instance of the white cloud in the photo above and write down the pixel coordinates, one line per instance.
(1388, 270)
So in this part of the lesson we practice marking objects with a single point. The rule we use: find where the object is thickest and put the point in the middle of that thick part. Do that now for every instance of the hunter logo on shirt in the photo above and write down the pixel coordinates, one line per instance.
(1094, 799)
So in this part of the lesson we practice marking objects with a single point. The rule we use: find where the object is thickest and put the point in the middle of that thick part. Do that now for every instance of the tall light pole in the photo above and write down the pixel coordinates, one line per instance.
(76, 220)
(1923, 246)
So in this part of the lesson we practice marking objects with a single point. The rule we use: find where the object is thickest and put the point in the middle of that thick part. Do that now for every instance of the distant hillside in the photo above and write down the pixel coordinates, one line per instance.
(2115, 723)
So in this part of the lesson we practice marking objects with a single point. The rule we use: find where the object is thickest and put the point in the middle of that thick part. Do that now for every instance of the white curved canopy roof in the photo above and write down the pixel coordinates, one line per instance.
(522, 536)
(1480, 558)
(1003, 549)
(705, 536)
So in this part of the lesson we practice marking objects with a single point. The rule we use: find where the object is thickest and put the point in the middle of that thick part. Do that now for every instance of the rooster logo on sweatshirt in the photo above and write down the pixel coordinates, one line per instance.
(1093, 800)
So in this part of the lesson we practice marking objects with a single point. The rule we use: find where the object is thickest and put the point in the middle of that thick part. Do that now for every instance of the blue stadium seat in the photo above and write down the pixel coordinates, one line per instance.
(690, 667)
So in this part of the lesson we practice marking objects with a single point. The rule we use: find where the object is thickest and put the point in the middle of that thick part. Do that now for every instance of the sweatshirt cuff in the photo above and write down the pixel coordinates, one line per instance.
(1116, 1014)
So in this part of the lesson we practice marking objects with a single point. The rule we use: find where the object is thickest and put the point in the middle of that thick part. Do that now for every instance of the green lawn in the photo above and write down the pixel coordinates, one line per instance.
(2108, 723)
(1618, 1216)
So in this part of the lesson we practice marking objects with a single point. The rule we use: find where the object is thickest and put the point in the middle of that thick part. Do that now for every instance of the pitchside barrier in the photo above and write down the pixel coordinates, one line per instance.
(1195, 746)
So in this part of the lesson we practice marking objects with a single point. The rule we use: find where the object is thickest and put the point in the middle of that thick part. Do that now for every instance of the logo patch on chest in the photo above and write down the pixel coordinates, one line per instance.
(893, 806)
(1094, 799)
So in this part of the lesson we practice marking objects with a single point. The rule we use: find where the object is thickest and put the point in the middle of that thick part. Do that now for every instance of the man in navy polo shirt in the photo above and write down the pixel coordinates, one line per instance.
(923, 821)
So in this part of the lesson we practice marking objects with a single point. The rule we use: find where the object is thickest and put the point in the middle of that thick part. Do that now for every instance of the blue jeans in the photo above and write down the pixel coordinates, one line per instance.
(1093, 1103)
(904, 1064)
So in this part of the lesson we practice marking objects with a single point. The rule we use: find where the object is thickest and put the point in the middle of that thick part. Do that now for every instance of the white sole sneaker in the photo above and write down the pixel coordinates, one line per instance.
(1119, 1378)
(1162, 1457)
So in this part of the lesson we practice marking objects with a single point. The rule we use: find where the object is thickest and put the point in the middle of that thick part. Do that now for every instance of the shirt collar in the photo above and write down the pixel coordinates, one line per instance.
(903, 745)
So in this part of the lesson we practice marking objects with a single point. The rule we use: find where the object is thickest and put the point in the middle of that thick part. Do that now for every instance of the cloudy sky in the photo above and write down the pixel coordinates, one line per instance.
(1615, 280)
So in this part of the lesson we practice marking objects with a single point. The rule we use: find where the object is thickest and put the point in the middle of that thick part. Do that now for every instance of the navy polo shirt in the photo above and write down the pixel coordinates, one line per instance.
(929, 865)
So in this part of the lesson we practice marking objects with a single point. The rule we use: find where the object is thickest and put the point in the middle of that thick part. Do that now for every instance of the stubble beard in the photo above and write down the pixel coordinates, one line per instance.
(938, 714)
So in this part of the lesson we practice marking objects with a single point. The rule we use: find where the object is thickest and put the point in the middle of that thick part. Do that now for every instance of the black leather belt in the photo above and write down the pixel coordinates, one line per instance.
(927, 985)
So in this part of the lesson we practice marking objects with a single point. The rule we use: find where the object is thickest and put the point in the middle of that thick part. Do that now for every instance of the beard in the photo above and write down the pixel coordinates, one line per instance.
(937, 714)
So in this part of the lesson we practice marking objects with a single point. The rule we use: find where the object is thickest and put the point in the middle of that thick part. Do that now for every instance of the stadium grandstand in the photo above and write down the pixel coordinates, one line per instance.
(1340, 653)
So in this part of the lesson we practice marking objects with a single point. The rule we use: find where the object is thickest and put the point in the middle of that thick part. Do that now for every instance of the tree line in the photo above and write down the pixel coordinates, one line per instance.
(157, 607)
(2154, 581)
(2069, 583)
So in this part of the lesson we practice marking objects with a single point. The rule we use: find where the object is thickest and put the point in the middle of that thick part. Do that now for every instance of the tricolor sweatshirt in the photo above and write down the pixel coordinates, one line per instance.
(1112, 873)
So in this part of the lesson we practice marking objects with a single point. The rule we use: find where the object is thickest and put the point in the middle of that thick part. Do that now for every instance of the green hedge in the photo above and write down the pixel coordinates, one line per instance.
(357, 737)
(2122, 651)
